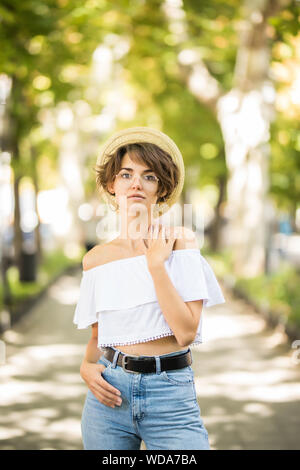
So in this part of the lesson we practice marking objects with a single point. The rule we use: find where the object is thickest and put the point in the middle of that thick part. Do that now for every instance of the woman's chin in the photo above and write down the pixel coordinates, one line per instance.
(132, 201)
(140, 207)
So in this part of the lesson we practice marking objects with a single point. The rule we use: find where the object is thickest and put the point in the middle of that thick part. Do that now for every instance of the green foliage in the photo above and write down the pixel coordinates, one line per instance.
(213, 27)
(41, 40)
(54, 264)
(286, 21)
(285, 141)
(152, 70)
(277, 292)
(48, 47)
(285, 163)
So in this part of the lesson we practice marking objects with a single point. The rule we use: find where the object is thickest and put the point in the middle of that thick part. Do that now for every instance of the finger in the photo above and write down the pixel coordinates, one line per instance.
(150, 230)
(159, 231)
(103, 398)
(142, 244)
(108, 395)
(107, 400)
(156, 231)
(170, 235)
(100, 379)
(165, 233)
(107, 387)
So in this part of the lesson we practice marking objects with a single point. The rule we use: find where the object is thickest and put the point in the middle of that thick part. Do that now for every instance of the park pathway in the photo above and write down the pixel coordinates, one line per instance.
(246, 379)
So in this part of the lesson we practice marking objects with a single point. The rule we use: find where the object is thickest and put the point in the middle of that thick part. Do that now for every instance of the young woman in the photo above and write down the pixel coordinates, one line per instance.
(143, 294)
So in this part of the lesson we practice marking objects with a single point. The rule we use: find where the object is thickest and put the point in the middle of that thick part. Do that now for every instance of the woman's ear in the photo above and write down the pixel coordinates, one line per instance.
(110, 188)
(163, 194)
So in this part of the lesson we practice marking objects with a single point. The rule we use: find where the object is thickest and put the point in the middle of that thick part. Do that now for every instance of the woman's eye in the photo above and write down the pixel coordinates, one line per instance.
(124, 174)
(151, 177)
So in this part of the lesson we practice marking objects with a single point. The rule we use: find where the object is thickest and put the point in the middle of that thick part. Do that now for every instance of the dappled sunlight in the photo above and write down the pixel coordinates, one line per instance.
(45, 352)
(247, 386)
(67, 428)
(9, 433)
(218, 415)
(13, 337)
(260, 409)
(241, 386)
(42, 396)
(25, 391)
(222, 326)
(48, 413)
(66, 293)
(42, 392)
(251, 373)
(32, 360)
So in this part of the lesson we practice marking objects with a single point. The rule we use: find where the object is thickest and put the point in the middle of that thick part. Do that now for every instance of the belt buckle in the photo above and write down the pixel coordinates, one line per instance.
(124, 366)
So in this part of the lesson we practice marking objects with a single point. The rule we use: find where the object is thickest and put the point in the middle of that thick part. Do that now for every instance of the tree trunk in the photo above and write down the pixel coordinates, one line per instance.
(36, 190)
(215, 230)
(16, 97)
(245, 114)
(17, 221)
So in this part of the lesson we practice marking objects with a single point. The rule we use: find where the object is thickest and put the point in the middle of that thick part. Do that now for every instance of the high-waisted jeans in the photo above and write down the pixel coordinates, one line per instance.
(159, 408)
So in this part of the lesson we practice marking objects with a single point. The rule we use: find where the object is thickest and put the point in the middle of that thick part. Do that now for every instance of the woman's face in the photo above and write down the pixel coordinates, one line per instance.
(134, 178)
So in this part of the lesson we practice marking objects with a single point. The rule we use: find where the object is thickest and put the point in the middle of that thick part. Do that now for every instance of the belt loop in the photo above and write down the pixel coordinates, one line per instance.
(158, 364)
(115, 358)
(190, 351)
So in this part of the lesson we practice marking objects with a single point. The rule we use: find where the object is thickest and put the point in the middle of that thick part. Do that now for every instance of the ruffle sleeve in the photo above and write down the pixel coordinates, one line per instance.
(194, 278)
(86, 311)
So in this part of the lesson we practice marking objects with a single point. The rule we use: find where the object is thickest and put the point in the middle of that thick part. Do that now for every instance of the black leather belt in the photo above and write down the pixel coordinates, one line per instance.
(137, 364)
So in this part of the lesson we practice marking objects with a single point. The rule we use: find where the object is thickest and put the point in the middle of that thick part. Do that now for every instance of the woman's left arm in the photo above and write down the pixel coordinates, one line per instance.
(182, 317)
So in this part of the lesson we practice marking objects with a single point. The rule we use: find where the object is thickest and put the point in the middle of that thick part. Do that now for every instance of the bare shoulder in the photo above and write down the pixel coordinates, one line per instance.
(99, 254)
(185, 238)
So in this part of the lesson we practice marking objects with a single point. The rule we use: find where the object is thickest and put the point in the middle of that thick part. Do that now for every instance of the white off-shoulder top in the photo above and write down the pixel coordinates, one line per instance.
(120, 296)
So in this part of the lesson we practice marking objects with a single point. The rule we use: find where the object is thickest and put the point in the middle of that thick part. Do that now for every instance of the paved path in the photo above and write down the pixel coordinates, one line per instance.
(247, 382)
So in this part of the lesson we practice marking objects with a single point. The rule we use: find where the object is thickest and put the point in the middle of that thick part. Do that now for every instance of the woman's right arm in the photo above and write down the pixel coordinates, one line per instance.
(91, 372)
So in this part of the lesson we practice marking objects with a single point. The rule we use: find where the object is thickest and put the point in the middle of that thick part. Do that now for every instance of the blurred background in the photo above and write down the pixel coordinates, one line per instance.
(222, 78)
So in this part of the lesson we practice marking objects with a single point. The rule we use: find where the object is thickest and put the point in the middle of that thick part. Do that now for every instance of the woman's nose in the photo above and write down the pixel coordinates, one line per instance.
(136, 181)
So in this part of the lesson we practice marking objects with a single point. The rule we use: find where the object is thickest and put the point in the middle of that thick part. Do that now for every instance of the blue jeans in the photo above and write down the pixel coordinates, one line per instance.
(159, 408)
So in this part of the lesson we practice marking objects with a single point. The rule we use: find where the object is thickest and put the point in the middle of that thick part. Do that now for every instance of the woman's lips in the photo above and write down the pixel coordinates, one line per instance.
(136, 197)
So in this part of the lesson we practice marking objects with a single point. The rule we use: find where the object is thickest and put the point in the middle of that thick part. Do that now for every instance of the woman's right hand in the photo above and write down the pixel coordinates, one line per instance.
(103, 391)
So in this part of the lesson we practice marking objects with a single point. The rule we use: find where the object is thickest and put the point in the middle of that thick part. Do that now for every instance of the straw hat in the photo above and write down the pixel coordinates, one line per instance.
(134, 135)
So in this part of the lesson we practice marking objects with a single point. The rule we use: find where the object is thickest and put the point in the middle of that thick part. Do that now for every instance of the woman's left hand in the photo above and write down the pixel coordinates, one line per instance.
(160, 243)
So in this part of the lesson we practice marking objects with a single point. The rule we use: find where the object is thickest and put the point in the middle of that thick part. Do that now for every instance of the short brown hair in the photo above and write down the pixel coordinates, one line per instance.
(152, 155)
